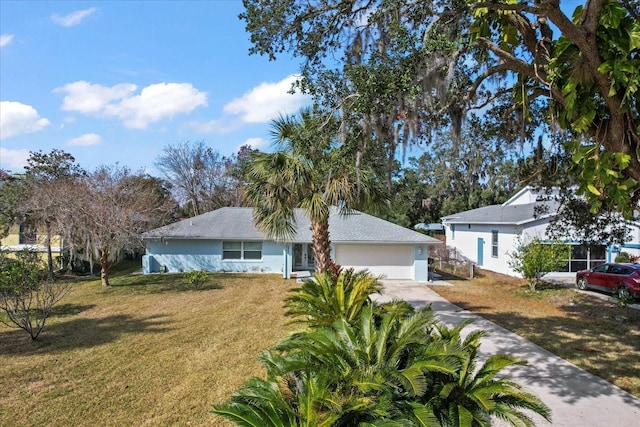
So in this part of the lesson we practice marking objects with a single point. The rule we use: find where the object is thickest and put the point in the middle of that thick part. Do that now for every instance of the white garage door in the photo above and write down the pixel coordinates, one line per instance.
(392, 261)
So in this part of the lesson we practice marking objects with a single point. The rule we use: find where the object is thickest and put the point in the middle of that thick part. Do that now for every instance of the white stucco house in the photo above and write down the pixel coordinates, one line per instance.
(227, 240)
(487, 235)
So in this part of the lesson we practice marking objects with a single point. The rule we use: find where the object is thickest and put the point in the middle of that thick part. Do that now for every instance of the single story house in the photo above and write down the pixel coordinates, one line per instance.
(487, 235)
(228, 240)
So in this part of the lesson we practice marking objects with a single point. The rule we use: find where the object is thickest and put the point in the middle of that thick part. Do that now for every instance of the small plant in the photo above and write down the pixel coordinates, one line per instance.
(623, 257)
(624, 300)
(535, 258)
(27, 296)
(196, 278)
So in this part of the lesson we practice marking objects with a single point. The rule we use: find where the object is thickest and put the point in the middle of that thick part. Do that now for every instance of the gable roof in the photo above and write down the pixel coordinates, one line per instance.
(518, 214)
(234, 223)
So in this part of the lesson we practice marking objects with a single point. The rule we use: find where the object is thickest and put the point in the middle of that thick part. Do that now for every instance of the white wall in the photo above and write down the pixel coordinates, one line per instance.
(465, 241)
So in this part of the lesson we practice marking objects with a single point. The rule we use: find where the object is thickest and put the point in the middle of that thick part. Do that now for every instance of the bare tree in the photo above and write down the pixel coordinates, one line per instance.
(48, 178)
(111, 208)
(204, 179)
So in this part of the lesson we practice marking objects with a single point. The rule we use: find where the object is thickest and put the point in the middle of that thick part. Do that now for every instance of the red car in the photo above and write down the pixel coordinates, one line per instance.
(621, 279)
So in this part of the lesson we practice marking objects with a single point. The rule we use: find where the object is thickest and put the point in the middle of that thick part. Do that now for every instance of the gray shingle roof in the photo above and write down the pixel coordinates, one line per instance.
(237, 224)
(502, 214)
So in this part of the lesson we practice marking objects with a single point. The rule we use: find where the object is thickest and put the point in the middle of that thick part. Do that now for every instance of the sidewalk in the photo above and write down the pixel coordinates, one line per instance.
(576, 397)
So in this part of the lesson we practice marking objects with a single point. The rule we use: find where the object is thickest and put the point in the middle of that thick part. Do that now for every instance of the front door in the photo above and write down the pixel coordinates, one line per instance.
(303, 257)
(480, 251)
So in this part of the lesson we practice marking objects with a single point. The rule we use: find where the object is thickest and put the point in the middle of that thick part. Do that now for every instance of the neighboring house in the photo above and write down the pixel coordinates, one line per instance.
(227, 240)
(23, 236)
(487, 235)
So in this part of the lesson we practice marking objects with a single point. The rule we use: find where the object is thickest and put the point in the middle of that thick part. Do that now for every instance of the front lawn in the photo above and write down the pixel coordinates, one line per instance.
(149, 350)
(588, 331)
(152, 351)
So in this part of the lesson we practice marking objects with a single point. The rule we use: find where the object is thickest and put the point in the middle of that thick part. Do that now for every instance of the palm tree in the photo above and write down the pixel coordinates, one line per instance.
(324, 299)
(310, 170)
(382, 365)
(472, 396)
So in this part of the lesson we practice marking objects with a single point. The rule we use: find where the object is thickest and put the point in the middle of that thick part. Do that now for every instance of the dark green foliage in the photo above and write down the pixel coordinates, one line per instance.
(398, 71)
(362, 363)
(13, 192)
(478, 170)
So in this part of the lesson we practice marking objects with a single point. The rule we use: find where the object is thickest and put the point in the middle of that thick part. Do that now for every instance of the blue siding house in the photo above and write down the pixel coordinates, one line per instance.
(227, 240)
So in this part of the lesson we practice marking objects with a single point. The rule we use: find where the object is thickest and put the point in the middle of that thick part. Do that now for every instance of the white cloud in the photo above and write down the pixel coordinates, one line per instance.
(74, 18)
(13, 159)
(213, 126)
(17, 118)
(85, 140)
(154, 103)
(255, 143)
(88, 98)
(266, 101)
(5, 39)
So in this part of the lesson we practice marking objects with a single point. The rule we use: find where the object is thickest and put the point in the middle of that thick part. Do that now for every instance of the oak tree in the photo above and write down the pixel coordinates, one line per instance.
(399, 68)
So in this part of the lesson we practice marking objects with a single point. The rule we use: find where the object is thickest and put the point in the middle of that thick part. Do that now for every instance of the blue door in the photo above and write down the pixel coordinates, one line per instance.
(480, 250)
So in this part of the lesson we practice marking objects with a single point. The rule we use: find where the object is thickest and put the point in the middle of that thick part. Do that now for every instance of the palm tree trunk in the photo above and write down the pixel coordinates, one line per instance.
(321, 244)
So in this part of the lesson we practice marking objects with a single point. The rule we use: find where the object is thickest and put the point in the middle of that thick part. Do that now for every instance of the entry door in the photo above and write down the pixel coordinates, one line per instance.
(480, 250)
(303, 257)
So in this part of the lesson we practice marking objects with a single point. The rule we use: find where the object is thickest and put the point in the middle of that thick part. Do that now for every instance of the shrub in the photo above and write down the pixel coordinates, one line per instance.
(535, 258)
(623, 257)
(27, 296)
(196, 278)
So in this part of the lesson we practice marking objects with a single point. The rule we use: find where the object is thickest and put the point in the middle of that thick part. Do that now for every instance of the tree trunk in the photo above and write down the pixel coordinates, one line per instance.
(321, 244)
(104, 267)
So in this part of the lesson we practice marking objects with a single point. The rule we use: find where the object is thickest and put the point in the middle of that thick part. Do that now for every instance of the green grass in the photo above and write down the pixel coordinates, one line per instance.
(152, 351)
(149, 350)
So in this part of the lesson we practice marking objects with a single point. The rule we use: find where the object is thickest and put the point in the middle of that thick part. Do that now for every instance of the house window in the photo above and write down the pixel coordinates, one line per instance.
(27, 235)
(242, 250)
(453, 231)
(494, 243)
(252, 250)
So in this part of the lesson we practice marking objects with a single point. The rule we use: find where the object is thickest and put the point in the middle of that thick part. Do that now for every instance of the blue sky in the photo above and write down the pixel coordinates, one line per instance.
(117, 81)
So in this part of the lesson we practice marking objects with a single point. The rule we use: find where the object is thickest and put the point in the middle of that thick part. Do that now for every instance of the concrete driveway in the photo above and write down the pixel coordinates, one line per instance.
(576, 397)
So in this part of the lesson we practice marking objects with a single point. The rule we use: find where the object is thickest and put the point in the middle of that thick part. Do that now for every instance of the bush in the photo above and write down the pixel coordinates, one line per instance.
(623, 257)
(27, 296)
(196, 278)
(535, 258)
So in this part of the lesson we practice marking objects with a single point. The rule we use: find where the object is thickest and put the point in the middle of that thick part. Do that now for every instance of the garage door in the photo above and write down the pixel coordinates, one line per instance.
(392, 261)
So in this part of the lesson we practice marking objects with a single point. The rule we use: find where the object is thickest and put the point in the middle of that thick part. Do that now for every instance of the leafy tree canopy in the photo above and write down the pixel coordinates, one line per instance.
(400, 69)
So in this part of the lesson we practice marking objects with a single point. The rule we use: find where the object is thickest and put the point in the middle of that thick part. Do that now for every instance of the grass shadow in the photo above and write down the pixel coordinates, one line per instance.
(144, 284)
(78, 333)
(449, 276)
(64, 310)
